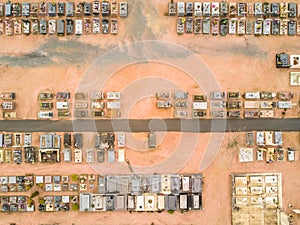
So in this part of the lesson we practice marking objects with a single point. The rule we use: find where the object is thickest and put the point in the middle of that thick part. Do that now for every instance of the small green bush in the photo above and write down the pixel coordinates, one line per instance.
(75, 207)
(74, 177)
(41, 201)
(34, 194)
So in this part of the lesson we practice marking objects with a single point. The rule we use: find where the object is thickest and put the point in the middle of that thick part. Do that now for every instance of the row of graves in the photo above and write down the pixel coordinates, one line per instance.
(60, 27)
(97, 104)
(55, 203)
(12, 145)
(284, 60)
(73, 183)
(238, 26)
(256, 198)
(232, 9)
(254, 104)
(155, 192)
(236, 18)
(108, 147)
(269, 148)
(69, 9)
(16, 183)
(50, 146)
(230, 104)
(48, 100)
(8, 105)
(48, 203)
(105, 145)
(141, 193)
(16, 204)
(17, 148)
(22, 18)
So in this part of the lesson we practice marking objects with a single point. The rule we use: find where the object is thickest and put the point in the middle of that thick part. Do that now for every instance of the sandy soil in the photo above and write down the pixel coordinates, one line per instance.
(61, 64)
(33, 64)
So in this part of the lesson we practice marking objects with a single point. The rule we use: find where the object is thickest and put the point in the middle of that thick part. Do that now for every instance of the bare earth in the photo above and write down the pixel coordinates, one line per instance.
(29, 65)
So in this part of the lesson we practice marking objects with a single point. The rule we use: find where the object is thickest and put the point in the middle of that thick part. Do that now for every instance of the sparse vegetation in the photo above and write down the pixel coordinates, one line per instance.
(75, 207)
(166, 14)
(74, 177)
(41, 201)
(171, 211)
(34, 194)
(27, 187)
(29, 201)
(232, 143)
